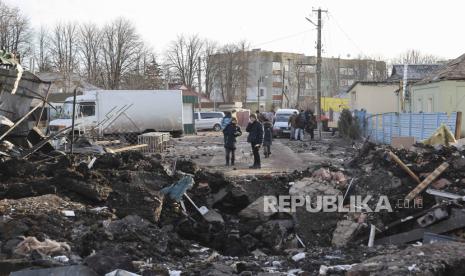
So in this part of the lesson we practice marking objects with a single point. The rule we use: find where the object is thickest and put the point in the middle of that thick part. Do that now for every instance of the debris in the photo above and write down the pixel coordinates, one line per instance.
(371, 239)
(178, 189)
(428, 180)
(432, 217)
(442, 136)
(336, 268)
(134, 147)
(61, 259)
(455, 221)
(403, 166)
(72, 270)
(47, 247)
(344, 232)
(68, 213)
(404, 142)
(120, 272)
(298, 257)
(257, 210)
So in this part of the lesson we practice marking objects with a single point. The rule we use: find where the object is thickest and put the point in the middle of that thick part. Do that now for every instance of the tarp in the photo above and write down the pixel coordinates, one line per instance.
(442, 136)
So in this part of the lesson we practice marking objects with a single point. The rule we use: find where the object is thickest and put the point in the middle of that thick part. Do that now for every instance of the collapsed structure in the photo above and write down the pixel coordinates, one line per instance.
(100, 212)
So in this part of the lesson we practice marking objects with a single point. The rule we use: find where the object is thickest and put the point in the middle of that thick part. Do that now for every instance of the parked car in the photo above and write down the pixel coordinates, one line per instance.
(281, 122)
(208, 120)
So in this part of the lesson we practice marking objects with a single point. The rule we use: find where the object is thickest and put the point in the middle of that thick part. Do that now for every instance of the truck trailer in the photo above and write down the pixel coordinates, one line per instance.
(110, 112)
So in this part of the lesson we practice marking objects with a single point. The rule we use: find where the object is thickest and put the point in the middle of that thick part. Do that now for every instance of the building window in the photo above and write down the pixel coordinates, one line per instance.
(343, 71)
(429, 108)
(350, 82)
(350, 71)
(311, 69)
(343, 83)
(277, 91)
(276, 66)
(262, 92)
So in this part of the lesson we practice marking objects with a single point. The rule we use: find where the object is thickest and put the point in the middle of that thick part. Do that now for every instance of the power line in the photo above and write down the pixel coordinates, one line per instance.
(347, 36)
(283, 38)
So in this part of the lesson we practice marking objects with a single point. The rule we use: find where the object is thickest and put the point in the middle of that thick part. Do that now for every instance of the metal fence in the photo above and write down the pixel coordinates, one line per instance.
(382, 127)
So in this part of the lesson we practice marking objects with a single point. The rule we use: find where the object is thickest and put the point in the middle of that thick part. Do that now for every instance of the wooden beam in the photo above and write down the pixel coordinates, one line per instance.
(403, 166)
(458, 125)
(133, 147)
(428, 180)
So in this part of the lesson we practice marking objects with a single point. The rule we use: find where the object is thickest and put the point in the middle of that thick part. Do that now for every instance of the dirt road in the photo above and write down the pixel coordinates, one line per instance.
(207, 150)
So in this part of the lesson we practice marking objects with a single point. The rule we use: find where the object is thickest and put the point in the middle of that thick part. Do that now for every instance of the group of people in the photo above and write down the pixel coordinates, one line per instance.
(300, 123)
(260, 131)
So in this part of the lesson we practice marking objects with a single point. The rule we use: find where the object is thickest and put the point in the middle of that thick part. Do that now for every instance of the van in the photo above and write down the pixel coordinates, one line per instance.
(281, 122)
(208, 120)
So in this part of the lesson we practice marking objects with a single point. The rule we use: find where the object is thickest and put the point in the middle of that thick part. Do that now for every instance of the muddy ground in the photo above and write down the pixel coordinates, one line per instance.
(117, 216)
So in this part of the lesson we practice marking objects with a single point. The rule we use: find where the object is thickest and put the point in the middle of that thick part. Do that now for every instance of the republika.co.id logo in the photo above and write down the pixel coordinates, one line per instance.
(335, 203)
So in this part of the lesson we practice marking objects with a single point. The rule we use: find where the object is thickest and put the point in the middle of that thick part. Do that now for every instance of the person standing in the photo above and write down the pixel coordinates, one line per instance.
(311, 124)
(300, 123)
(226, 120)
(255, 138)
(267, 137)
(292, 123)
(231, 131)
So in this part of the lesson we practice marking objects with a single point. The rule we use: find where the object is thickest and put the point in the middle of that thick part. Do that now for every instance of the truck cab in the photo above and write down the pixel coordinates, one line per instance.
(85, 114)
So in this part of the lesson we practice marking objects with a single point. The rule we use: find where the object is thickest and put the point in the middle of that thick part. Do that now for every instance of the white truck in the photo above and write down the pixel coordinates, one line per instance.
(109, 112)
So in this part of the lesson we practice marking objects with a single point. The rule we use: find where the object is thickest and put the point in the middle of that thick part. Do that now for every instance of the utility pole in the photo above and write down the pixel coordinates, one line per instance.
(318, 69)
(282, 84)
(258, 94)
(199, 76)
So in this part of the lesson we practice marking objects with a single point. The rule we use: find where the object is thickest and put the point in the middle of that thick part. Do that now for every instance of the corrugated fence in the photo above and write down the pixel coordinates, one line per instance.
(382, 127)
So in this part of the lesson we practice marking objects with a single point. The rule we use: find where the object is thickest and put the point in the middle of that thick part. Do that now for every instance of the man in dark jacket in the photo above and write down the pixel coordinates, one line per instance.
(255, 138)
(267, 137)
(231, 131)
(301, 122)
(311, 123)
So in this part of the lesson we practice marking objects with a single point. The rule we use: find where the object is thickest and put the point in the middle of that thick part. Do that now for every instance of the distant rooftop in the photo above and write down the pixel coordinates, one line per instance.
(415, 72)
(453, 70)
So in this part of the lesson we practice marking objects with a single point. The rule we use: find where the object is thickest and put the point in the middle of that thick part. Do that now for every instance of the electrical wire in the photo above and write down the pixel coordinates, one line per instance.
(283, 38)
(346, 35)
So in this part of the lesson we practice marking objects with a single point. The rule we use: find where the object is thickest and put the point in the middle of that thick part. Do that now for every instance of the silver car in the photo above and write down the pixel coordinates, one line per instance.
(208, 120)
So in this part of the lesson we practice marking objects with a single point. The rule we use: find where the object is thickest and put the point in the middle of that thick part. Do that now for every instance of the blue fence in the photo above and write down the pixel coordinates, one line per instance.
(382, 127)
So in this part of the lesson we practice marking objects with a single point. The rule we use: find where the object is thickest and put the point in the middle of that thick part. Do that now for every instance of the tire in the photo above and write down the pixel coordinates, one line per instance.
(217, 127)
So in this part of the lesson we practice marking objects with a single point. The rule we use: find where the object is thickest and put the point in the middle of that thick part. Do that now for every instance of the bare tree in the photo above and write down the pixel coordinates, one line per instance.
(413, 56)
(229, 71)
(63, 48)
(183, 55)
(90, 42)
(15, 30)
(43, 49)
(210, 68)
(121, 46)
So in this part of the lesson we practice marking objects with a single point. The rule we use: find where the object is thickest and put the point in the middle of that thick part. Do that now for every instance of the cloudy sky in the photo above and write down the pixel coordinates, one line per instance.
(380, 28)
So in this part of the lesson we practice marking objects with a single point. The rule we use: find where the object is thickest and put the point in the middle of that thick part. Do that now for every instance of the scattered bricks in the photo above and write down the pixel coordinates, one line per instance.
(441, 184)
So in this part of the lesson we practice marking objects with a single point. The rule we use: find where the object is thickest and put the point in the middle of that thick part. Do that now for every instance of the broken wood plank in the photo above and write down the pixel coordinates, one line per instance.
(19, 121)
(428, 180)
(134, 147)
(403, 166)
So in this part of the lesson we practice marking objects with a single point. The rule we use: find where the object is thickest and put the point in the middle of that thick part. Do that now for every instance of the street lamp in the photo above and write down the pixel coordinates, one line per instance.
(260, 79)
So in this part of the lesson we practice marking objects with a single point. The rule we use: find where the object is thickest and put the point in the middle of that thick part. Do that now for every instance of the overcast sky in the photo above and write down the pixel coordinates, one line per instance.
(382, 28)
